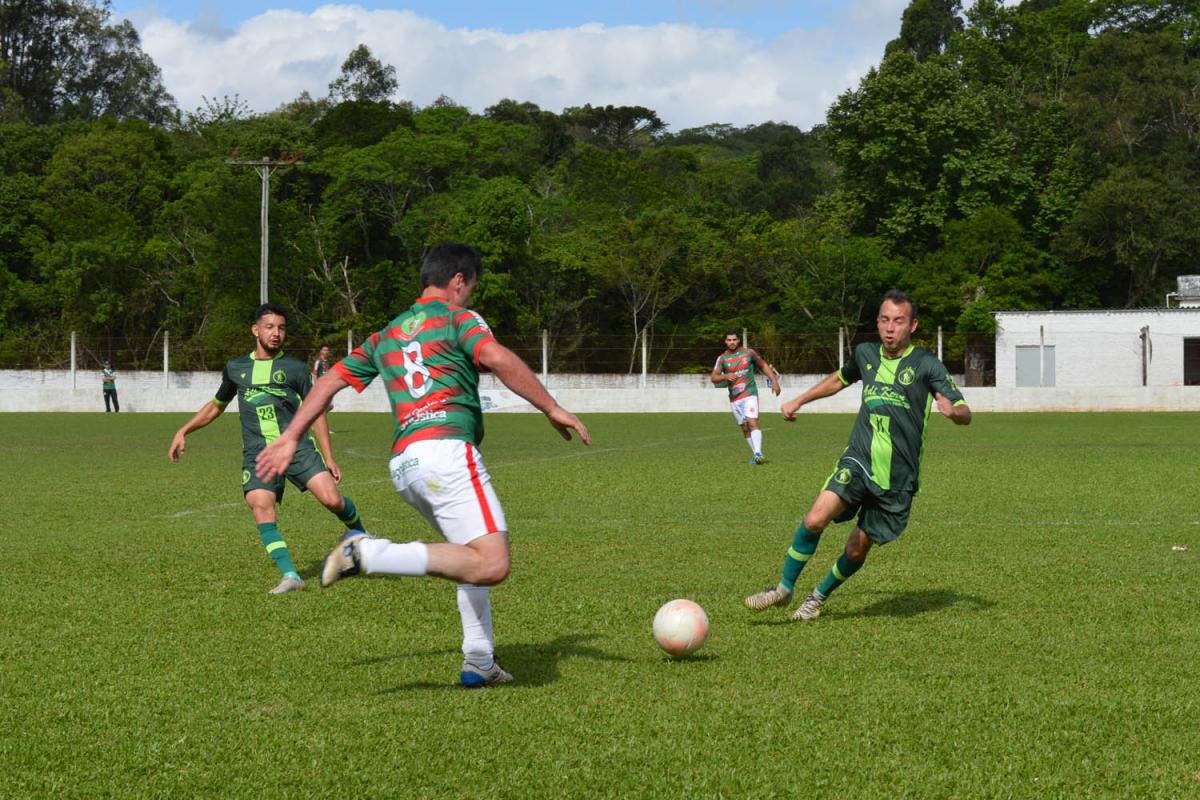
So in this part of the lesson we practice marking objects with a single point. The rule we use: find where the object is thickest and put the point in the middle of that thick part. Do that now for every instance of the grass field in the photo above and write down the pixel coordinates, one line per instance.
(1033, 633)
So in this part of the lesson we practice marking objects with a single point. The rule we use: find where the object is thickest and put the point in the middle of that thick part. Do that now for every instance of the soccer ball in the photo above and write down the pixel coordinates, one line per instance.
(680, 627)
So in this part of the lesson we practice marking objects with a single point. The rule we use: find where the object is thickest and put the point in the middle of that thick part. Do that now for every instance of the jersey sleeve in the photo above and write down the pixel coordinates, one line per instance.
(227, 390)
(851, 371)
(305, 383)
(472, 332)
(758, 361)
(940, 381)
(359, 368)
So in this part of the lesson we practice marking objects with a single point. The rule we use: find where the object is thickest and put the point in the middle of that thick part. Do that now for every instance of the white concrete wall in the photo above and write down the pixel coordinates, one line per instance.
(1098, 348)
(584, 394)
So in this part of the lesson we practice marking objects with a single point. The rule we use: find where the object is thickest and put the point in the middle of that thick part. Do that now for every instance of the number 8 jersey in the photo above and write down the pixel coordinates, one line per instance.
(429, 360)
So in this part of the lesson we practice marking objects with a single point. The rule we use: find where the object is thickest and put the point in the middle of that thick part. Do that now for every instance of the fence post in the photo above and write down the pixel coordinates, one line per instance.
(645, 358)
(545, 357)
(349, 342)
(745, 337)
(1042, 355)
(940, 343)
(841, 346)
(72, 359)
(166, 357)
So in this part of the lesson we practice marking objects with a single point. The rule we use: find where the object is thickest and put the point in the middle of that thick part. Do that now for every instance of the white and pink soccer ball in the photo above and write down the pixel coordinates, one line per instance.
(680, 627)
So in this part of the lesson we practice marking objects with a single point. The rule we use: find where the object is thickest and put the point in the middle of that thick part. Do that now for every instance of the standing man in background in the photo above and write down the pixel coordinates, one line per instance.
(108, 377)
(735, 370)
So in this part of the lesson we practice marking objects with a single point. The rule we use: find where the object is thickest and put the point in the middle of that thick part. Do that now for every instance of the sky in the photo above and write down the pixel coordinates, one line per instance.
(695, 62)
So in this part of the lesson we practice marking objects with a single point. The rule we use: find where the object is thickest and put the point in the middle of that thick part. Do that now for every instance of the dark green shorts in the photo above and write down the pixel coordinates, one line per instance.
(882, 515)
(306, 464)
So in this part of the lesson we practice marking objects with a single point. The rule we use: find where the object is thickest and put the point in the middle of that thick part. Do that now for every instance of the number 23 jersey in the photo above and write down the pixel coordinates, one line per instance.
(428, 358)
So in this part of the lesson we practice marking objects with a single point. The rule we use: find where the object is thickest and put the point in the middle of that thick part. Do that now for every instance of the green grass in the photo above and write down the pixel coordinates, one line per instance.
(1033, 633)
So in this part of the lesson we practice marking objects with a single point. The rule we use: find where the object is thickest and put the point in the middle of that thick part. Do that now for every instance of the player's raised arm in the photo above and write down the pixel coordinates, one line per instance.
(516, 375)
(207, 413)
(276, 456)
(831, 385)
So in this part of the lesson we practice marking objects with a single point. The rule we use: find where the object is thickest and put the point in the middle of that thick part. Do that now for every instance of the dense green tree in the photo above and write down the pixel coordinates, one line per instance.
(364, 78)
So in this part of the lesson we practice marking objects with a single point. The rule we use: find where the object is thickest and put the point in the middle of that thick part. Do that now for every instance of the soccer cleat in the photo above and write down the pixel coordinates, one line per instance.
(473, 677)
(774, 596)
(288, 584)
(758, 458)
(811, 607)
(343, 560)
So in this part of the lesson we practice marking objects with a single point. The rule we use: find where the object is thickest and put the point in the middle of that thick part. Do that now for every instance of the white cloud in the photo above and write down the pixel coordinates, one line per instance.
(688, 74)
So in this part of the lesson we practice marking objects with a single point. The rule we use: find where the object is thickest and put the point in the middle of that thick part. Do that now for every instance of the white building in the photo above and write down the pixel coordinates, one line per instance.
(1121, 347)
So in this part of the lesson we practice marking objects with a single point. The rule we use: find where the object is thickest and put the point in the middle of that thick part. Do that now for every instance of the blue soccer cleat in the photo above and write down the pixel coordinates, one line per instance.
(473, 677)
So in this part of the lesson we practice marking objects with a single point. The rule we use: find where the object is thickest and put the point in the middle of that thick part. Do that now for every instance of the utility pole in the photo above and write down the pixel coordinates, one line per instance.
(264, 168)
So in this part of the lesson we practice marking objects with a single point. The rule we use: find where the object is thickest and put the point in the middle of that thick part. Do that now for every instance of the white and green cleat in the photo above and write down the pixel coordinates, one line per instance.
(288, 584)
(775, 596)
(811, 607)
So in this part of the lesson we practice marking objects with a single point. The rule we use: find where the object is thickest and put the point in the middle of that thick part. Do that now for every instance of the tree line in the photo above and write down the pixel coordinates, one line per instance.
(1044, 154)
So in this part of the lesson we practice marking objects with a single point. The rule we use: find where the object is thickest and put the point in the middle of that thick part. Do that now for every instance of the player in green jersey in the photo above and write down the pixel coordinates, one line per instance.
(877, 475)
(734, 370)
(269, 387)
(429, 358)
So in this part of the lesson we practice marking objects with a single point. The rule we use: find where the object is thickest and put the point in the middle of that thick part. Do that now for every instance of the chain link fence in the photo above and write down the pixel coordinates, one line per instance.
(972, 357)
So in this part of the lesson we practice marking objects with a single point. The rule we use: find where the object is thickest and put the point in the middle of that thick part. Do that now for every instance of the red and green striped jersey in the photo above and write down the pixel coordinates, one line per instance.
(741, 364)
(429, 360)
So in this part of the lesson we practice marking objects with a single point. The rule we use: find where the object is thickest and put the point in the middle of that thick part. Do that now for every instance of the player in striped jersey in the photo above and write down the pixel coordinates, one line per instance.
(429, 359)
(735, 370)
(876, 478)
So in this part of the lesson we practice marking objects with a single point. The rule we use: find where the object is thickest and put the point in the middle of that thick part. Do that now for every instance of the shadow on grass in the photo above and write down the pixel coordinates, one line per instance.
(911, 604)
(899, 605)
(530, 664)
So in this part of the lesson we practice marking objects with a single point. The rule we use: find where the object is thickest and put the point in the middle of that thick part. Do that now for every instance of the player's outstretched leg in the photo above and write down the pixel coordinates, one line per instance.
(343, 560)
(804, 544)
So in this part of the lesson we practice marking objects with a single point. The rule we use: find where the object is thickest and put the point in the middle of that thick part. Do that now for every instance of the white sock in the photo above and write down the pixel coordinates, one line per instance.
(475, 608)
(390, 558)
(756, 441)
(750, 443)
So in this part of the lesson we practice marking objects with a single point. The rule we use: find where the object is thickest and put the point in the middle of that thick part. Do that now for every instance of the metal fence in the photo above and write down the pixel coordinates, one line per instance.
(972, 357)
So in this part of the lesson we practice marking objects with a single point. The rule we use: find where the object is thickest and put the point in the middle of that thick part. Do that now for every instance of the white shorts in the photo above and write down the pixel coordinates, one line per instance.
(446, 481)
(744, 409)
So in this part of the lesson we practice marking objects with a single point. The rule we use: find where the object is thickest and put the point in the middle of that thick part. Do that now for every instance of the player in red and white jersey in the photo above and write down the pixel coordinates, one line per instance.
(735, 370)
(429, 358)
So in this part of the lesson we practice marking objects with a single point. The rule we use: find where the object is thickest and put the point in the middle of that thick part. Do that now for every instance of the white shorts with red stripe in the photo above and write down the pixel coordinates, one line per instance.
(446, 481)
(744, 409)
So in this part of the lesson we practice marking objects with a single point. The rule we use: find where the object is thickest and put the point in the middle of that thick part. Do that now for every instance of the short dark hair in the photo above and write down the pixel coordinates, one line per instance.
(446, 260)
(899, 298)
(269, 308)
(733, 332)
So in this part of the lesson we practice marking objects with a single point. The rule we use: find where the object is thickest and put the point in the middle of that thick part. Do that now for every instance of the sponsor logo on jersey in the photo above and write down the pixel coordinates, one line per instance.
(842, 476)
(875, 395)
(404, 467)
(279, 376)
(907, 376)
(256, 396)
(410, 326)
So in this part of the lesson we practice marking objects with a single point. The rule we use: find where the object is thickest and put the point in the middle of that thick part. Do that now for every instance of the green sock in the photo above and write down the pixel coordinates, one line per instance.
(277, 548)
(349, 515)
(840, 573)
(804, 544)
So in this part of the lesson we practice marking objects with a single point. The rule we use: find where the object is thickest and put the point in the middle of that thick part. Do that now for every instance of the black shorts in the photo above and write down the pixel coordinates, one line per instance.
(306, 464)
(882, 515)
